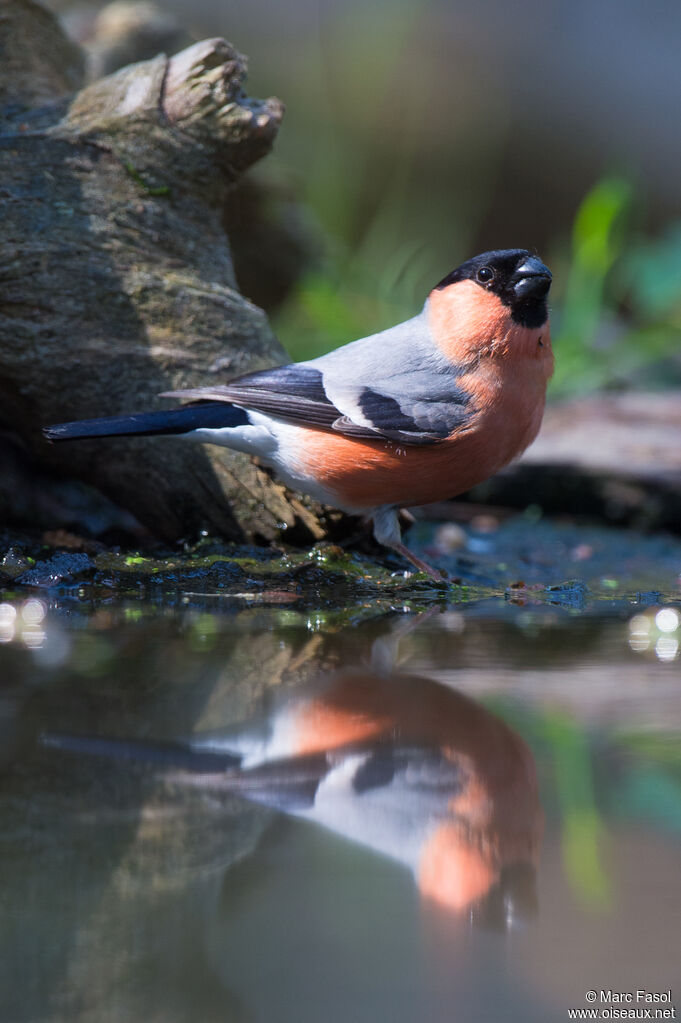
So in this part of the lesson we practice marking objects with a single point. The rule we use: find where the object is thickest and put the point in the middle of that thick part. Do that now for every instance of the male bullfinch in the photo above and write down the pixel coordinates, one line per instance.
(412, 769)
(417, 413)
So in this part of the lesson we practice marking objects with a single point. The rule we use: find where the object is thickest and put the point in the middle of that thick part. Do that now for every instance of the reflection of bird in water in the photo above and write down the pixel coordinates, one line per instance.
(398, 763)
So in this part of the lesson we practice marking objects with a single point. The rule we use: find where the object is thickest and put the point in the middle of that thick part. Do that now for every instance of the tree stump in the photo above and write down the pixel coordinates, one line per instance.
(116, 279)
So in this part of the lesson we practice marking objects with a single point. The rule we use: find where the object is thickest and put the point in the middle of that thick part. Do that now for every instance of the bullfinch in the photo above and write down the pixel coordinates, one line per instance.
(398, 763)
(414, 414)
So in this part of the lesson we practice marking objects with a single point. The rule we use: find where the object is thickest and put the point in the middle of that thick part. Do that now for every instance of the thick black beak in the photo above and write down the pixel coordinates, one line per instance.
(532, 279)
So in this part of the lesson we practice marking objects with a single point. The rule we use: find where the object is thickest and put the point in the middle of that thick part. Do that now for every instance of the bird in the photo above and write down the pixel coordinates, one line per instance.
(414, 414)
(398, 763)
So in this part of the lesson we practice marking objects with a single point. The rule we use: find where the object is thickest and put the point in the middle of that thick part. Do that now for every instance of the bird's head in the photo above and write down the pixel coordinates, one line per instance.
(516, 277)
(494, 304)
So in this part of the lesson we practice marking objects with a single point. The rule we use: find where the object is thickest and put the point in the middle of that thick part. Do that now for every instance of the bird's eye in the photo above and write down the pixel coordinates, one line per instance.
(485, 274)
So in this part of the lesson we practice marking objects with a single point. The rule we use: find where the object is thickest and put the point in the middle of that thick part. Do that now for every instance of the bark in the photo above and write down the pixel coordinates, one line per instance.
(116, 280)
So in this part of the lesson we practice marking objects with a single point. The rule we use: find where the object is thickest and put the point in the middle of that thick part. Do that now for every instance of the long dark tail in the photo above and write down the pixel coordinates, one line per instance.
(211, 415)
(161, 754)
(288, 784)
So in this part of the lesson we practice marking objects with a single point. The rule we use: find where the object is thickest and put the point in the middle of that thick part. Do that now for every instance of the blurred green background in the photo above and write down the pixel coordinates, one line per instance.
(419, 132)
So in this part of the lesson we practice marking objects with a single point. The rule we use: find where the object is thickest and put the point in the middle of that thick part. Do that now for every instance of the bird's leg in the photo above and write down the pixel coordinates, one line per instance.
(387, 532)
(417, 562)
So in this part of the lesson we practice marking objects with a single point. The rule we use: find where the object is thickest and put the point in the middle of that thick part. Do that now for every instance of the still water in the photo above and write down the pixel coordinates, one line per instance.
(472, 813)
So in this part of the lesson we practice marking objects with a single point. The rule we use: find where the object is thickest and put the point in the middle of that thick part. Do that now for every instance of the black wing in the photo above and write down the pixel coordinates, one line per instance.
(292, 392)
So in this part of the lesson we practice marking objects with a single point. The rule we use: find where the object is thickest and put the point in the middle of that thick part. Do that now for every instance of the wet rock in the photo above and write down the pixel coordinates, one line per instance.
(216, 576)
(571, 593)
(649, 598)
(15, 561)
(62, 567)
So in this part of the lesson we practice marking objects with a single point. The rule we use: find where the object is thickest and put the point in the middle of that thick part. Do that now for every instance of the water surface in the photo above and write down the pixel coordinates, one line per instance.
(500, 828)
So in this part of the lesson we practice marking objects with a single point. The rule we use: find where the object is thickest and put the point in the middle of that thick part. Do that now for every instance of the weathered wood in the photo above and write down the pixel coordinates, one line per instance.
(116, 280)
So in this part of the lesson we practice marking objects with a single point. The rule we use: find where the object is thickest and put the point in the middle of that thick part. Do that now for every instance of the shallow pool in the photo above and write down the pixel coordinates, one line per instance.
(471, 812)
